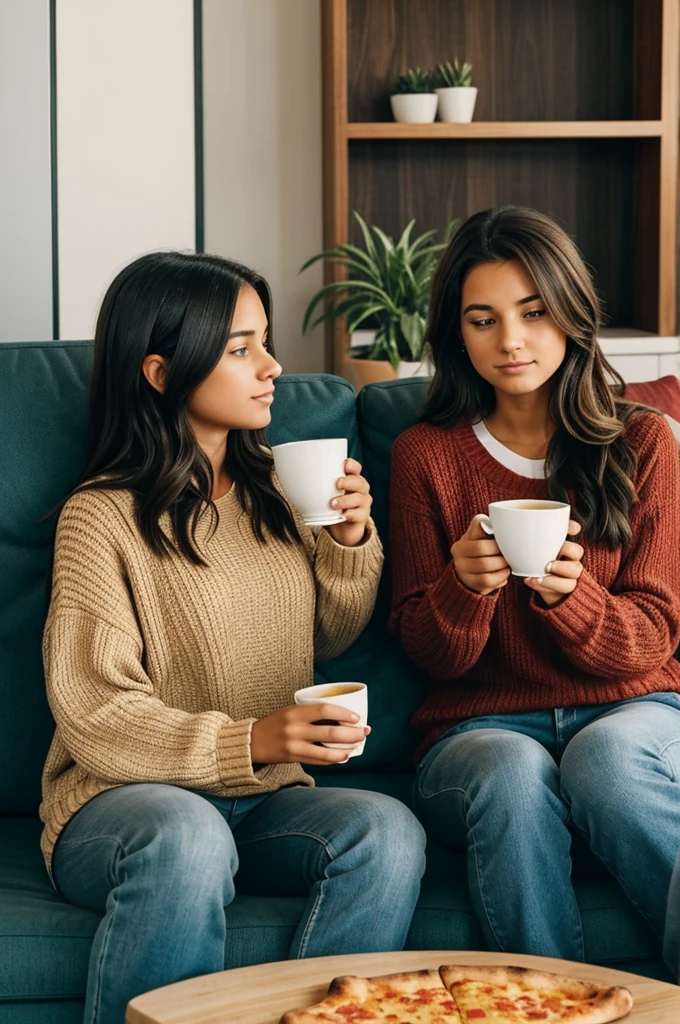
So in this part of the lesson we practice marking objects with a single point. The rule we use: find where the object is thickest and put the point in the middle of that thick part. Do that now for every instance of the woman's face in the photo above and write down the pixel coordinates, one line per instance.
(238, 393)
(511, 339)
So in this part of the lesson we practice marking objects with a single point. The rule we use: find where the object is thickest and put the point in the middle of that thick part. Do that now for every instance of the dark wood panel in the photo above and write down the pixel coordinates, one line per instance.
(586, 185)
(532, 59)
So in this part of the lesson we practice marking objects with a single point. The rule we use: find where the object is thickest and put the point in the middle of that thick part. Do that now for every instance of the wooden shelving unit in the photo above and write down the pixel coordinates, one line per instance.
(578, 116)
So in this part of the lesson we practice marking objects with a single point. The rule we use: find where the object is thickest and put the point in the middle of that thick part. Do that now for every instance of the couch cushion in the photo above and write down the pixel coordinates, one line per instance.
(43, 411)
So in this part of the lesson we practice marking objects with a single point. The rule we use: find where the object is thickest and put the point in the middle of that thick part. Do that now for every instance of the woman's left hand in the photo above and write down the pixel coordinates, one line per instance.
(354, 504)
(562, 574)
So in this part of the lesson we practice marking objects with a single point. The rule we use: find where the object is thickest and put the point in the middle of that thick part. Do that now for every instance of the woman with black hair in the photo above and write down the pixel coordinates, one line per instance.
(188, 603)
(554, 700)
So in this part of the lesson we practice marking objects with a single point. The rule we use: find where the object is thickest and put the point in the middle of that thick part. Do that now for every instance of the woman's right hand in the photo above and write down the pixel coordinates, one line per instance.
(290, 735)
(478, 561)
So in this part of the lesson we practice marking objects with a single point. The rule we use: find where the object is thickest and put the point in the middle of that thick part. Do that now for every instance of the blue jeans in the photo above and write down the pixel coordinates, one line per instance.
(506, 788)
(159, 862)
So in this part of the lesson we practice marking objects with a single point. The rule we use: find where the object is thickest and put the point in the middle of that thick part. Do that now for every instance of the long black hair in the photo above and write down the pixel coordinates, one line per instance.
(588, 453)
(179, 306)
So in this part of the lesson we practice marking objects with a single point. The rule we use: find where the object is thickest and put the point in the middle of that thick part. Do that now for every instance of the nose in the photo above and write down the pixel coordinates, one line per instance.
(270, 368)
(511, 339)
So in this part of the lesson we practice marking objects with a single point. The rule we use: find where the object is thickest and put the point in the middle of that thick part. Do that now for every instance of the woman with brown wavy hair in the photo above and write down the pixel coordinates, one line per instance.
(553, 700)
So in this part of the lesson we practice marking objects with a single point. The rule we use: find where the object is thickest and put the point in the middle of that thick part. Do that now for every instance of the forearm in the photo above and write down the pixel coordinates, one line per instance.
(346, 587)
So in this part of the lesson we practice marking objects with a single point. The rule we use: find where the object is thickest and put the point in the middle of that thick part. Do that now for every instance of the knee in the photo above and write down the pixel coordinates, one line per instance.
(597, 762)
(507, 768)
(388, 834)
(181, 836)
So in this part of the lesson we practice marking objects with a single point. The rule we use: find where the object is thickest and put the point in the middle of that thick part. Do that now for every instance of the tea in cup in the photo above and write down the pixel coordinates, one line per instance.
(346, 695)
(308, 472)
(529, 532)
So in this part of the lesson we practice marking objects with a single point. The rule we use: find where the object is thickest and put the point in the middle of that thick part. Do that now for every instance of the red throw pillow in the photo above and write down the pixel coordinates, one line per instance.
(663, 394)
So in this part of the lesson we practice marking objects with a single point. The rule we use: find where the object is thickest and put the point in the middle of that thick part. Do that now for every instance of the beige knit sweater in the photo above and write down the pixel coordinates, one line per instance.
(157, 668)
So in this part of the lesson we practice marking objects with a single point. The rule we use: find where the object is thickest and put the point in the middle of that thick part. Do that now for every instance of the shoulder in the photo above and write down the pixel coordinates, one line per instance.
(649, 435)
(97, 513)
(426, 439)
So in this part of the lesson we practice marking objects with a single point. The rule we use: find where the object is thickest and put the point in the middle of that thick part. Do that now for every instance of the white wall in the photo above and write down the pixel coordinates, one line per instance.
(125, 142)
(262, 152)
(25, 179)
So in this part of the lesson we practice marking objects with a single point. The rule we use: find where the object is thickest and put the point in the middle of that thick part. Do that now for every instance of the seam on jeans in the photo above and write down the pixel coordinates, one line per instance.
(97, 993)
(662, 754)
(471, 841)
(286, 834)
(314, 913)
(614, 875)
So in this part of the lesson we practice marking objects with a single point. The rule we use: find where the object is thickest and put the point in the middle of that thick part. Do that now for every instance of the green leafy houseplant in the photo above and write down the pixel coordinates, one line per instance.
(414, 80)
(388, 282)
(453, 75)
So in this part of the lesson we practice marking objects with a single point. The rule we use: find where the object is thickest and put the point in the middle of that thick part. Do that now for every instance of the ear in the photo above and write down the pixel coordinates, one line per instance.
(154, 369)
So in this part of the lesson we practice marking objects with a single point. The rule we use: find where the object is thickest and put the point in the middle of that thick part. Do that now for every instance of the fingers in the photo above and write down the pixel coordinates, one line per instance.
(309, 713)
(475, 531)
(571, 550)
(574, 528)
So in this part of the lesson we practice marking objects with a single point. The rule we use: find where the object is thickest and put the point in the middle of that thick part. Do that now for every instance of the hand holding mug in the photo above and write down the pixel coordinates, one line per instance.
(291, 735)
(562, 574)
(478, 562)
(354, 505)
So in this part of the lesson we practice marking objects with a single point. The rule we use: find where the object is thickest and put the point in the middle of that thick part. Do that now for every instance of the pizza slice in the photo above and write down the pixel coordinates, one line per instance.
(416, 997)
(518, 995)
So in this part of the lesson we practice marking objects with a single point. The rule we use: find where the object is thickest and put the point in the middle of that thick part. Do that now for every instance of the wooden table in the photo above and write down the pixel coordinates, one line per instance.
(261, 994)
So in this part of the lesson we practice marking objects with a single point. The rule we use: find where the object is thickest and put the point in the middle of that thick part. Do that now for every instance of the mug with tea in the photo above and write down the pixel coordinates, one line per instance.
(308, 472)
(529, 532)
(346, 695)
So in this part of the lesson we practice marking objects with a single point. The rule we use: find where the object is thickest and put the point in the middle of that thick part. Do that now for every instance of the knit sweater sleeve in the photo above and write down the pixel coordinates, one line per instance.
(112, 723)
(346, 587)
(633, 626)
(442, 626)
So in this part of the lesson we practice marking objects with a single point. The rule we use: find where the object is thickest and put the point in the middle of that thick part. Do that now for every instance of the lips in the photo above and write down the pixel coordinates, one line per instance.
(265, 394)
(510, 366)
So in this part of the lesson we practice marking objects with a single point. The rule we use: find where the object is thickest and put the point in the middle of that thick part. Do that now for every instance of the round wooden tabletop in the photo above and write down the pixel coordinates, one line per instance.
(262, 994)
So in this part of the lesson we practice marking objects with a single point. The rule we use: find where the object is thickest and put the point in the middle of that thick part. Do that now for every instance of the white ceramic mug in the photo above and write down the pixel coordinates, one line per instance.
(308, 472)
(346, 695)
(529, 532)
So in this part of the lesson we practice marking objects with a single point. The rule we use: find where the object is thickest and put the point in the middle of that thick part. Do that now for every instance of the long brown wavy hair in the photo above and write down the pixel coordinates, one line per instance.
(180, 306)
(588, 454)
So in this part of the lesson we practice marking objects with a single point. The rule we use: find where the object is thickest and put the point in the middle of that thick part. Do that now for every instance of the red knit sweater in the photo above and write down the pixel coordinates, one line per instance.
(612, 638)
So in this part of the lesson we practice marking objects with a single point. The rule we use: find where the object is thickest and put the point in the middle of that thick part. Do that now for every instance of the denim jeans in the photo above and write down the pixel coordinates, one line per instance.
(159, 862)
(506, 788)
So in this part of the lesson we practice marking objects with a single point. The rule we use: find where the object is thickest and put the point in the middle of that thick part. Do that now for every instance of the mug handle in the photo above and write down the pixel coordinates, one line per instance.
(485, 524)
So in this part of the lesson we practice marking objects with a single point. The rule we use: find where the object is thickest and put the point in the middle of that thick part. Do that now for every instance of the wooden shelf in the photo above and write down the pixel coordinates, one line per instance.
(506, 130)
(593, 87)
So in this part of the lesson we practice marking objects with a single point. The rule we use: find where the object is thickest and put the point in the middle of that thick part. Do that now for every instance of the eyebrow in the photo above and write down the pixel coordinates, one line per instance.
(246, 334)
(520, 302)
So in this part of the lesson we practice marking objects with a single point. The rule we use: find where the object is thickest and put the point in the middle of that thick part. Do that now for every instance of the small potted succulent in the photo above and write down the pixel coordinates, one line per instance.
(455, 91)
(414, 100)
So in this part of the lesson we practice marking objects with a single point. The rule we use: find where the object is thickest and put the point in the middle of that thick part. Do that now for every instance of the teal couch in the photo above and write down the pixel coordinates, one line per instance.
(44, 942)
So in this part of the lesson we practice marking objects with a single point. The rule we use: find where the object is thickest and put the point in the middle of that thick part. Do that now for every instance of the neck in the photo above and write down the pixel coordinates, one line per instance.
(215, 450)
(522, 423)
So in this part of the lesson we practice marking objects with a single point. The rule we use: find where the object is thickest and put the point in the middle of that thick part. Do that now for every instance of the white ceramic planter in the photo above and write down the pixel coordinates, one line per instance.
(420, 369)
(414, 108)
(457, 103)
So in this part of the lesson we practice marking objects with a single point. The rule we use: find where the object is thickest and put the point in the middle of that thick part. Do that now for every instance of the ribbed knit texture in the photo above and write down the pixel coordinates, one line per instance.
(611, 639)
(157, 668)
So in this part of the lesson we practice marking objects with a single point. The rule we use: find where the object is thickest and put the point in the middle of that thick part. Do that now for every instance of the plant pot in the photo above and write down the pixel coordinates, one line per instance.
(374, 371)
(414, 108)
(456, 103)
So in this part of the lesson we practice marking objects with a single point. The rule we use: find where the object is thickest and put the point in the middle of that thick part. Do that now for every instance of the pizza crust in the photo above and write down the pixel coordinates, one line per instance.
(371, 995)
(607, 1003)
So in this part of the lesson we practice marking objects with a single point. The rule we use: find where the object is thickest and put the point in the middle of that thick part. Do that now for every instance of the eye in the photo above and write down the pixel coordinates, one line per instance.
(240, 352)
(484, 322)
(534, 314)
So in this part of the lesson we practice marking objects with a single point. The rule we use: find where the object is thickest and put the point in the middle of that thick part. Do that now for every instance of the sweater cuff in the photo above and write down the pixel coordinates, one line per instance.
(233, 754)
(365, 559)
(578, 616)
(459, 604)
